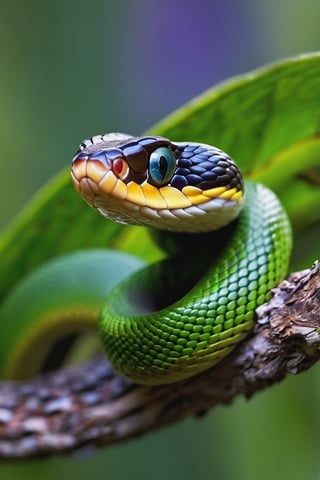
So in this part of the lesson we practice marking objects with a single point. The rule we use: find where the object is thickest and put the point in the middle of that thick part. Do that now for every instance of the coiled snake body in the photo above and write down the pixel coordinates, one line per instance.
(228, 240)
(183, 187)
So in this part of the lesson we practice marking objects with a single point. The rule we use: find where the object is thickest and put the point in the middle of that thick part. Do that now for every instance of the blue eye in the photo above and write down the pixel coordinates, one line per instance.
(162, 165)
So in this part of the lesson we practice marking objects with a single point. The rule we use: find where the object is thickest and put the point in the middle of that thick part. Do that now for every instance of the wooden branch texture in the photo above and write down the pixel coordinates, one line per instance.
(91, 405)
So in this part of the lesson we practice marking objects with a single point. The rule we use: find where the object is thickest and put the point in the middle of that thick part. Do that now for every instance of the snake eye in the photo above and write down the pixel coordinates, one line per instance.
(162, 164)
(120, 168)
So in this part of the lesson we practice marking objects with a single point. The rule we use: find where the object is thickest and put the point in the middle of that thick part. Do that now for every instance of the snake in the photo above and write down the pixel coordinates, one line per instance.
(226, 243)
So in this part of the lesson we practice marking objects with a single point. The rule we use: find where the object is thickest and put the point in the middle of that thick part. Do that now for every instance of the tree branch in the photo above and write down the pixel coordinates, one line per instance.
(91, 405)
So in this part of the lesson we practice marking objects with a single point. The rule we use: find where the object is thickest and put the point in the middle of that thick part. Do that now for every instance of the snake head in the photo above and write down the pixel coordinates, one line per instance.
(183, 187)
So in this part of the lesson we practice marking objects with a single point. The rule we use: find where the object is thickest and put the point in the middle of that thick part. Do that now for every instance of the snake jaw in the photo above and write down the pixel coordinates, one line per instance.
(204, 193)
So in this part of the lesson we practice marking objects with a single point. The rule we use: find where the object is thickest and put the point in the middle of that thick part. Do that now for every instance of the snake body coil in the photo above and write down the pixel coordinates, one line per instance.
(177, 318)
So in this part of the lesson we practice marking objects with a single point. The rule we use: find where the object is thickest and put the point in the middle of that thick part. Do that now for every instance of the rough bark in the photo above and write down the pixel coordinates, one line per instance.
(91, 405)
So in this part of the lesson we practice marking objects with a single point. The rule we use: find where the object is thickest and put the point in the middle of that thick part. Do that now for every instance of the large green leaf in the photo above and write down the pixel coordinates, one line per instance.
(268, 121)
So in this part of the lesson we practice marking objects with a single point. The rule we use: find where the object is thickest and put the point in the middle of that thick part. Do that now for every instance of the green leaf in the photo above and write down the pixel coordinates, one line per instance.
(268, 121)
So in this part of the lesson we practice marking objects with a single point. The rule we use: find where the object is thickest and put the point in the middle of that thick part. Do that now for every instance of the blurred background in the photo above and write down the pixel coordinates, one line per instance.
(71, 69)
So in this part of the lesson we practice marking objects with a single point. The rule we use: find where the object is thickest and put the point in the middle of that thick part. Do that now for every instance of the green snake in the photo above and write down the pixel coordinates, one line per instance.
(228, 243)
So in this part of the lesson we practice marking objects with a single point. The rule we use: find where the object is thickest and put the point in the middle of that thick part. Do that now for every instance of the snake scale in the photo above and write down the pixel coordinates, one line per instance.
(228, 243)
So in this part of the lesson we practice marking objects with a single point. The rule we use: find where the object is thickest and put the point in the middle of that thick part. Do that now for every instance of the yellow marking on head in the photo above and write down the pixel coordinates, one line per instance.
(95, 171)
(108, 183)
(120, 190)
(175, 198)
(238, 196)
(198, 196)
(194, 194)
(191, 191)
(135, 194)
(214, 192)
(228, 194)
(154, 199)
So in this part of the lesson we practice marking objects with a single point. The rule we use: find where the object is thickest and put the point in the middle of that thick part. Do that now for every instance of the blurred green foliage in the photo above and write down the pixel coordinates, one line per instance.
(69, 70)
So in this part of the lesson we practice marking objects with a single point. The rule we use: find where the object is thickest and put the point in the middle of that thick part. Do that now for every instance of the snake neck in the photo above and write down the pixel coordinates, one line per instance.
(196, 246)
(190, 259)
(177, 318)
